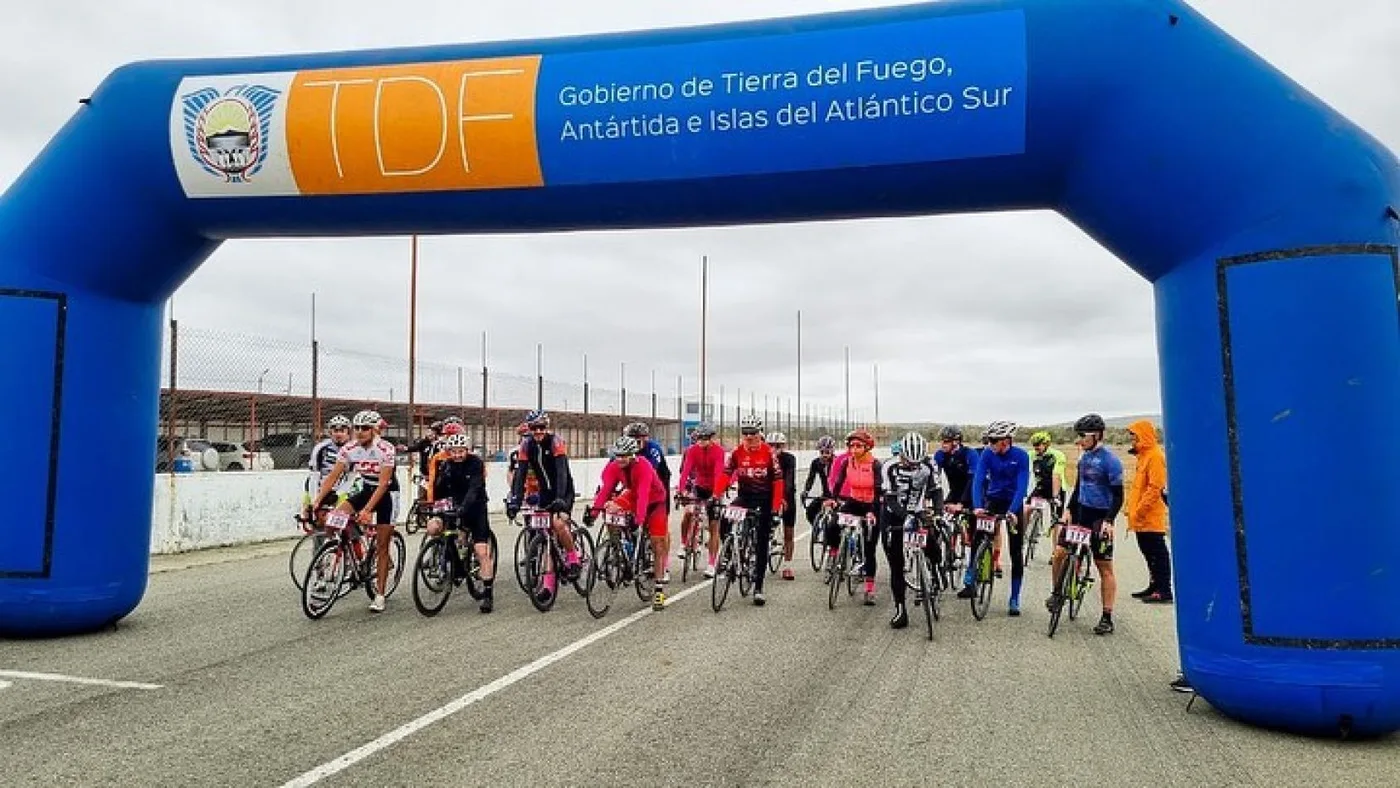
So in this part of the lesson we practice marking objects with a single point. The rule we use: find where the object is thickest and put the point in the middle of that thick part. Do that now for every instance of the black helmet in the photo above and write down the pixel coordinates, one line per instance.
(950, 433)
(1090, 423)
(435, 426)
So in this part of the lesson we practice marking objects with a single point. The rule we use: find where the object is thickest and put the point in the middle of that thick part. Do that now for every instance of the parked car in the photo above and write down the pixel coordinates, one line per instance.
(287, 449)
(202, 456)
(236, 457)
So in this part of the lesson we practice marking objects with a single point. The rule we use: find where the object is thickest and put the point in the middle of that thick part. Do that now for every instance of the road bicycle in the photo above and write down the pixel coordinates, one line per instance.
(448, 560)
(847, 566)
(544, 558)
(738, 557)
(623, 556)
(918, 570)
(1076, 576)
(984, 574)
(346, 561)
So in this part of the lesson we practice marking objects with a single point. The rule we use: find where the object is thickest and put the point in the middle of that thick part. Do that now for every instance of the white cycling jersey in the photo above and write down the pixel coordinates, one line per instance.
(367, 461)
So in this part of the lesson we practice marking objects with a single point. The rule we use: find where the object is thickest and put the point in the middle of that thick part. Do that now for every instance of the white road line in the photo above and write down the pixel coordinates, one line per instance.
(437, 715)
(5, 684)
(18, 674)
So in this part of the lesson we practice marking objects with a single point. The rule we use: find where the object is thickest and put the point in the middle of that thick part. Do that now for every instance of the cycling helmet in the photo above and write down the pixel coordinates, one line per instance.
(915, 447)
(456, 440)
(452, 420)
(1090, 423)
(637, 429)
(625, 446)
(537, 418)
(862, 436)
(366, 418)
(704, 430)
(826, 443)
(896, 446)
(1000, 429)
(1040, 437)
(950, 433)
(436, 426)
(453, 429)
(751, 422)
(338, 422)
(777, 439)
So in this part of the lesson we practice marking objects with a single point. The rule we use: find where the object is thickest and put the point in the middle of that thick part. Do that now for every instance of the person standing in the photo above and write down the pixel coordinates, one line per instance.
(1147, 511)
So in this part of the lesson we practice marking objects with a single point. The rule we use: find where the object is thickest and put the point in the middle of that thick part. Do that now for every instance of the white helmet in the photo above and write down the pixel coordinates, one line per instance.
(338, 422)
(777, 439)
(625, 446)
(751, 422)
(1000, 429)
(367, 418)
(458, 441)
(913, 447)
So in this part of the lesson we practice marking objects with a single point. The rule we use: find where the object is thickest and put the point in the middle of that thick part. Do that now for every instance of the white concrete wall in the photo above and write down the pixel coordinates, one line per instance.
(202, 510)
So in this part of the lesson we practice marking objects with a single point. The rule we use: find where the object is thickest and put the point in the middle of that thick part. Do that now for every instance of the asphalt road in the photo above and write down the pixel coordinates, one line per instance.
(248, 692)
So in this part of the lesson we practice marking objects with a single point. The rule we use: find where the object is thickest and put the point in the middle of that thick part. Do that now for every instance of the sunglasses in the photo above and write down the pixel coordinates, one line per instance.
(749, 433)
(538, 428)
(364, 429)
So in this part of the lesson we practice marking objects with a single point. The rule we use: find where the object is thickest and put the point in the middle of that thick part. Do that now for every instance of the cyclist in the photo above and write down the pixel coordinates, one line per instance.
(820, 472)
(323, 457)
(426, 448)
(910, 487)
(1048, 480)
(958, 462)
(754, 466)
(1094, 504)
(643, 489)
(543, 454)
(656, 455)
(459, 476)
(787, 461)
(700, 467)
(371, 458)
(855, 487)
(999, 487)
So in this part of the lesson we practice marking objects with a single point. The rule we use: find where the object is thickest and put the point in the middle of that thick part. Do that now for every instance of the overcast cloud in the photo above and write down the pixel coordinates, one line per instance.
(962, 362)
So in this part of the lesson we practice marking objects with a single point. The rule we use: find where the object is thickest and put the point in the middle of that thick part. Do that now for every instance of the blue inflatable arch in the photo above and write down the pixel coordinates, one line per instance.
(1265, 221)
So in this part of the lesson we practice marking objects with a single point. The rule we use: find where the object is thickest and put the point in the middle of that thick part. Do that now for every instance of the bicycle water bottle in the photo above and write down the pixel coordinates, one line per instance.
(357, 546)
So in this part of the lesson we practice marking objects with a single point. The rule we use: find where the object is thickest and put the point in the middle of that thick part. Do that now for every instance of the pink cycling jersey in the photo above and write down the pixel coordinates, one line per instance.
(367, 461)
(639, 477)
(705, 462)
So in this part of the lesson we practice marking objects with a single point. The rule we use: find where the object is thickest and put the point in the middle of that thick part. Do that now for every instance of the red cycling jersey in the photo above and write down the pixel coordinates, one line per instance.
(757, 473)
(702, 464)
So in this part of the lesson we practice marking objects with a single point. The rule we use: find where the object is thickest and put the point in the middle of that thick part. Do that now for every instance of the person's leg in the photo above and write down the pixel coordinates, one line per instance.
(893, 538)
(1145, 547)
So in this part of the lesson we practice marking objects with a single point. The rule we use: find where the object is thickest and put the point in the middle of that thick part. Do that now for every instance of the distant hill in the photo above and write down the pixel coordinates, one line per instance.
(1119, 421)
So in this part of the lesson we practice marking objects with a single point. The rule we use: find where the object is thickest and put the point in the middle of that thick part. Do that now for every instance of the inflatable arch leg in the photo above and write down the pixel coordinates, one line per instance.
(1265, 221)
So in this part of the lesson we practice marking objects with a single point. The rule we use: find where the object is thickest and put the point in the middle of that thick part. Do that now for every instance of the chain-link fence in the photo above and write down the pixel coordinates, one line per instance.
(237, 401)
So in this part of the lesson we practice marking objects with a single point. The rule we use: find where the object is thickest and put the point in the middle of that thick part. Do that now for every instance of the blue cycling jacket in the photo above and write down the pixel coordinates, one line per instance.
(1002, 477)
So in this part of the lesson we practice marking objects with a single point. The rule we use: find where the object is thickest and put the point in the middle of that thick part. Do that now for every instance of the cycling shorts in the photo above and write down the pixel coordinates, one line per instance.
(657, 523)
(383, 513)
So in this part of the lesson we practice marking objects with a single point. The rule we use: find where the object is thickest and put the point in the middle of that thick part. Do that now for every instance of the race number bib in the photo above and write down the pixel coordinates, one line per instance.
(541, 520)
(442, 506)
(735, 514)
(615, 519)
(338, 519)
(1037, 503)
(848, 520)
(986, 524)
(916, 539)
(1077, 536)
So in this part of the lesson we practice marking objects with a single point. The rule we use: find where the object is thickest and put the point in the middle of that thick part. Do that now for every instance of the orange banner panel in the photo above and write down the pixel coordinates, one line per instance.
(466, 124)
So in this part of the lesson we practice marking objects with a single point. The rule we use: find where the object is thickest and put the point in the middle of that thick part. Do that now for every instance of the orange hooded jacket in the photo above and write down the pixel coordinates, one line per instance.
(1146, 510)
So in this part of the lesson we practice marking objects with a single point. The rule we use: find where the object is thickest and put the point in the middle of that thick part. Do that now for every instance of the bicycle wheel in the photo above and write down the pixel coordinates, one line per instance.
(775, 550)
(815, 549)
(603, 578)
(719, 588)
(839, 570)
(302, 553)
(1064, 587)
(433, 577)
(857, 554)
(411, 523)
(1033, 535)
(324, 578)
(1083, 568)
(747, 562)
(519, 557)
(398, 556)
(985, 579)
(537, 553)
(583, 544)
(475, 587)
(925, 581)
(644, 580)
